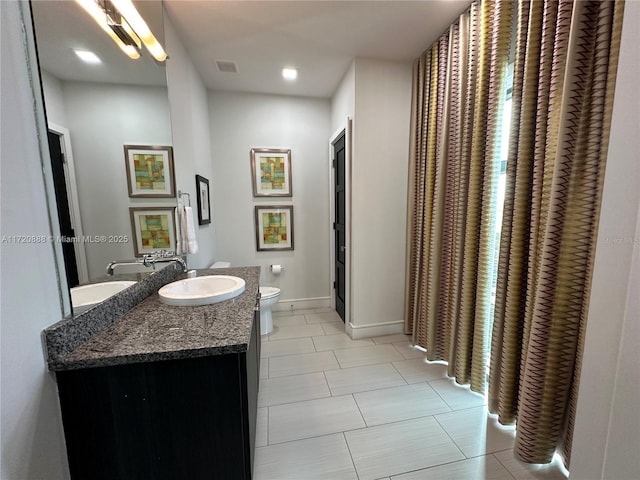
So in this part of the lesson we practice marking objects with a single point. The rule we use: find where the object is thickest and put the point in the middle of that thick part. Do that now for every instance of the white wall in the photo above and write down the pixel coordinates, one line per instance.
(379, 195)
(621, 456)
(607, 430)
(31, 428)
(102, 118)
(54, 99)
(191, 143)
(240, 122)
(343, 100)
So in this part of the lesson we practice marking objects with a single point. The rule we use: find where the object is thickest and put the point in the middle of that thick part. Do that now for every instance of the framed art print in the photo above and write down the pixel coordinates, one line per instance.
(204, 204)
(150, 171)
(274, 227)
(271, 172)
(152, 229)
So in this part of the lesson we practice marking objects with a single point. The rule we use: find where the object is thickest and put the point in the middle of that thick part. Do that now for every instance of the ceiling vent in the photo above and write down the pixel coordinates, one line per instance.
(226, 66)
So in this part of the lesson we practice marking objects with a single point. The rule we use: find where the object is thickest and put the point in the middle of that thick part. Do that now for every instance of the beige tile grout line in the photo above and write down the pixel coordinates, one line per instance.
(350, 454)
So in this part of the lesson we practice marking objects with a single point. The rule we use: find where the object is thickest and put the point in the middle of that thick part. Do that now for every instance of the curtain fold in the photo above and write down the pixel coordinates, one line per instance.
(454, 167)
(564, 74)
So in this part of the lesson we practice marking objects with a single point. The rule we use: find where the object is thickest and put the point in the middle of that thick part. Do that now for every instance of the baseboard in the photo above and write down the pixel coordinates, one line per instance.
(357, 332)
(301, 304)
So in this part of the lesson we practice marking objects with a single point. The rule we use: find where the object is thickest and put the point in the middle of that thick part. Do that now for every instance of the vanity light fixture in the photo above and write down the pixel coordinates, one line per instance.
(289, 73)
(87, 56)
(126, 27)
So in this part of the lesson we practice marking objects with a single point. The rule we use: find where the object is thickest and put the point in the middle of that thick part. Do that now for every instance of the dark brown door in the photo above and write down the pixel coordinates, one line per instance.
(62, 205)
(339, 225)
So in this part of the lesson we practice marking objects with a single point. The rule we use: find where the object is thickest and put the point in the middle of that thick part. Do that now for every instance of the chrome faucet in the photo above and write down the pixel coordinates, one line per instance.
(116, 263)
(163, 256)
(149, 260)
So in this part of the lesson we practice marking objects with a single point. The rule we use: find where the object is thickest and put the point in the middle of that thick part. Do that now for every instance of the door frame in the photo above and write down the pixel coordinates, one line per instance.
(347, 128)
(72, 193)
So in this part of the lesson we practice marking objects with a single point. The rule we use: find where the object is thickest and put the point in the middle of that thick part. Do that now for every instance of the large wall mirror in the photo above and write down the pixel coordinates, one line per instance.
(93, 110)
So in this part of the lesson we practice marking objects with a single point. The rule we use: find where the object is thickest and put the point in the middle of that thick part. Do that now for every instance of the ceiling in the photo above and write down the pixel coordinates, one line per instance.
(319, 38)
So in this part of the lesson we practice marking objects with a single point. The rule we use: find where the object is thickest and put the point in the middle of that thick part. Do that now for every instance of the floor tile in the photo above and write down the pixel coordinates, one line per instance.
(284, 313)
(355, 357)
(295, 331)
(274, 391)
(299, 364)
(475, 433)
(325, 310)
(332, 328)
(360, 379)
(396, 337)
(399, 403)
(322, 317)
(312, 418)
(279, 348)
(457, 396)
(289, 321)
(526, 471)
(261, 427)
(480, 468)
(418, 370)
(320, 458)
(305, 311)
(340, 340)
(408, 350)
(396, 448)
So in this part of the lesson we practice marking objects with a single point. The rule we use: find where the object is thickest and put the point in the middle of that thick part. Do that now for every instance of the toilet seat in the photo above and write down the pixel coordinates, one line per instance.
(268, 292)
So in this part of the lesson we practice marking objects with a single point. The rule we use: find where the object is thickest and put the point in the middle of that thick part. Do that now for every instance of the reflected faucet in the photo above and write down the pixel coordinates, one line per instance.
(149, 260)
(116, 263)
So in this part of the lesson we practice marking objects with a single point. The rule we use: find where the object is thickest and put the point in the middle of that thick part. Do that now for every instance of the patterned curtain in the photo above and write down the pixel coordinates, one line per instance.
(565, 67)
(458, 94)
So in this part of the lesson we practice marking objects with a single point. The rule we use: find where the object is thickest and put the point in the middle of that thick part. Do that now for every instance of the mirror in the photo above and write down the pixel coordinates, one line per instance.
(93, 110)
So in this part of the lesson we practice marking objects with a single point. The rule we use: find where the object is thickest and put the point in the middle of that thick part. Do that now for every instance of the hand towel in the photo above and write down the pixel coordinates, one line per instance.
(178, 229)
(189, 242)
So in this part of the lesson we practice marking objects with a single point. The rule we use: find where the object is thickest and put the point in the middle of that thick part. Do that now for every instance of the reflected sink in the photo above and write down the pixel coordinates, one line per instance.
(201, 290)
(96, 292)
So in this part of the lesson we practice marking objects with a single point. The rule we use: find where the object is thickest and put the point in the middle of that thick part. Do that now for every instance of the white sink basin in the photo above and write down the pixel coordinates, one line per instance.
(96, 292)
(201, 290)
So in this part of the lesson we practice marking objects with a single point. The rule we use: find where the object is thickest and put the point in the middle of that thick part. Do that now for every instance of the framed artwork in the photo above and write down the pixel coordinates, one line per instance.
(152, 229)
(271, 172)
(150, 171)
(274, 227)
(204, 205)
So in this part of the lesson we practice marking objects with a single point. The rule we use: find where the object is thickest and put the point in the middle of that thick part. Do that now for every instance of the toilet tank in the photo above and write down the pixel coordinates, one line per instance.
(220, 265)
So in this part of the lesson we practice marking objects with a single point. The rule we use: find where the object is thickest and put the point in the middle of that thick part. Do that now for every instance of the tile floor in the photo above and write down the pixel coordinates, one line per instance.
(334, 408)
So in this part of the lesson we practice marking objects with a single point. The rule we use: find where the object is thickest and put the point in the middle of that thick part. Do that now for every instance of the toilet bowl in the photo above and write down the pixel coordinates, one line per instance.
(268, 297)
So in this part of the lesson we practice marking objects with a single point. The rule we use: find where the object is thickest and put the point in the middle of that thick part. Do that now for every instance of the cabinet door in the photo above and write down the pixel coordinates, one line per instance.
(197, 412)
(168, 420)
(107, 423)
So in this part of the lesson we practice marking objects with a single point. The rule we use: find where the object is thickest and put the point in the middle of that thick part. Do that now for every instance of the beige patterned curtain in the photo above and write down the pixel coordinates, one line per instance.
(456, 119)
(565, 67)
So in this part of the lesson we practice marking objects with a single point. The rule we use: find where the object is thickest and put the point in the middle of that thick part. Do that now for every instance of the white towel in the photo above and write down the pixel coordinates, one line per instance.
(189, 242)
(178, 229)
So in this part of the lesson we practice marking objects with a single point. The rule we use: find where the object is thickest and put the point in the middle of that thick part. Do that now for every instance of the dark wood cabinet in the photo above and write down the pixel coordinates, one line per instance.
(190, 419)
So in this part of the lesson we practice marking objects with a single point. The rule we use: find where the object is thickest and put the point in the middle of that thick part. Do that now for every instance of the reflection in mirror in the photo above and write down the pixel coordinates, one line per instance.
(93, 110)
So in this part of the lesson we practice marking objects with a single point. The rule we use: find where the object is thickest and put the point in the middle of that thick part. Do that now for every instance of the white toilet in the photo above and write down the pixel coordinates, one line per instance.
(268, 296)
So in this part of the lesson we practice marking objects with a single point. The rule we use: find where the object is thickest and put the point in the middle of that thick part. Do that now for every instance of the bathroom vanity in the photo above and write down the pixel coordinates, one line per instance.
(163, 392)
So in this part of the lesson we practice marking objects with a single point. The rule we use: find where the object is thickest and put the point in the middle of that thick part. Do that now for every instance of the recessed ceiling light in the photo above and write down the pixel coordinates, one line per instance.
(88, 56)
(290, 73)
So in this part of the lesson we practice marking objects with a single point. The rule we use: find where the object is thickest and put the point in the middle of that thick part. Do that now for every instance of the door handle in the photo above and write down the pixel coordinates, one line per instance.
(343, 248)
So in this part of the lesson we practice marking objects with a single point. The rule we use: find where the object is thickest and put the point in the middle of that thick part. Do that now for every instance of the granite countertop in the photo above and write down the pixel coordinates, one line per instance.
(153, 331)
